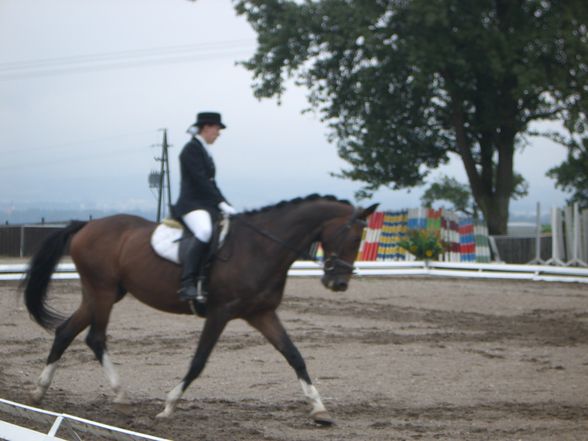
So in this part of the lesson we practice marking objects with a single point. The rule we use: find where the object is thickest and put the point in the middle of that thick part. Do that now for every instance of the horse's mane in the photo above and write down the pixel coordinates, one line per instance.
(295, 201)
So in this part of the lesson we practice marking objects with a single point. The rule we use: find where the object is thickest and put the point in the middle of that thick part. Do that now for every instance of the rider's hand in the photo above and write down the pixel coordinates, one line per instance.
(226, 208)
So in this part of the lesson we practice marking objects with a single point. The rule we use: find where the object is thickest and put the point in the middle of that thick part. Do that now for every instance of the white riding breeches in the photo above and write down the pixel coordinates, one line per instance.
(200, 223)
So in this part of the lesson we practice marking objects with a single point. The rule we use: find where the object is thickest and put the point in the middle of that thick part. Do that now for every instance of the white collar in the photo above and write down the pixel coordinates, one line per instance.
(204, 143)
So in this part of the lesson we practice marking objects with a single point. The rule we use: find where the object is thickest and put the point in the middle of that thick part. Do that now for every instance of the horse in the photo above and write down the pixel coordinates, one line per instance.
(246, 280)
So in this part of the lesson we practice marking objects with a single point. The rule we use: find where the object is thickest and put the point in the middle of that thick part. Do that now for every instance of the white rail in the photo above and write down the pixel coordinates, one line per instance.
(546, 273)
(60, 422)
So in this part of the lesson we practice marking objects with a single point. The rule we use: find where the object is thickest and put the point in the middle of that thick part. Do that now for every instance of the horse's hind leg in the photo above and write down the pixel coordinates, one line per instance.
(64, 335)
(96, 340)
(270, 326)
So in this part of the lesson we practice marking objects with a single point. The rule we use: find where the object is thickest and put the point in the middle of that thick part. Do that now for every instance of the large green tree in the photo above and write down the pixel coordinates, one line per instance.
(404, 84)
(449, 189)
(572, 174)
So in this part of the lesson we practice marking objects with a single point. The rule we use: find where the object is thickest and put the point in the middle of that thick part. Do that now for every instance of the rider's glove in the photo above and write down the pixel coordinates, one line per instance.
(226, 208)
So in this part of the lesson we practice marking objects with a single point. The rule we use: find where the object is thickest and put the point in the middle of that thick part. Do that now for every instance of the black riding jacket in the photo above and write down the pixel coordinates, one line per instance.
(198, 189)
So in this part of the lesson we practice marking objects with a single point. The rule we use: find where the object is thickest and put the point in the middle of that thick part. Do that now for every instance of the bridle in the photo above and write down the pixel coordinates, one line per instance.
(332, 264)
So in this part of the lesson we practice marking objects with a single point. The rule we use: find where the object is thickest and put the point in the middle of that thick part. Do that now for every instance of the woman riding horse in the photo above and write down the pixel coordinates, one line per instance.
(113, 256)
(200, 200)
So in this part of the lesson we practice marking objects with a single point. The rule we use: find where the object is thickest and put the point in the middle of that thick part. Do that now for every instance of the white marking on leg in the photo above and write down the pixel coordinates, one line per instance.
(113, 378)
(44, 381)
(313, 396)
(172, 398)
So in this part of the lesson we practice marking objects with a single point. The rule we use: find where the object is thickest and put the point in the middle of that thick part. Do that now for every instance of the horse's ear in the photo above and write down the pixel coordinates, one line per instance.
(367, 211)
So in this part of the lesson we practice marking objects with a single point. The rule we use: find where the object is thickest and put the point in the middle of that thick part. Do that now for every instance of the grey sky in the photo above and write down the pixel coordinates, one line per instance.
(80, 107)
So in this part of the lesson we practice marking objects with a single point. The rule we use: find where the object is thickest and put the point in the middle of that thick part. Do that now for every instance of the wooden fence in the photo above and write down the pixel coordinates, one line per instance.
(24, 240)
(521, 249)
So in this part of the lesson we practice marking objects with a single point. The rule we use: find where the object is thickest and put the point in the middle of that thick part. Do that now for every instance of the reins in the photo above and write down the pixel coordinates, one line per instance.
(274, 238)
(330, 263)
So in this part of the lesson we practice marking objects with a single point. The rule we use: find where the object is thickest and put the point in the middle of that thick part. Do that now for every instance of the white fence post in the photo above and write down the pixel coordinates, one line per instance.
(556, 238)
(584, 234)
(576, 238)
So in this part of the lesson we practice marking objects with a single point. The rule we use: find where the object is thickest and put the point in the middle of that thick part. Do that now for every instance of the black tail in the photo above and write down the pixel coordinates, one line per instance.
(38, 276)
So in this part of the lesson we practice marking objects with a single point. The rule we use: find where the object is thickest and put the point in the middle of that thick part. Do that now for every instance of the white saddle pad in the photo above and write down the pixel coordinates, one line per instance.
(165, 239)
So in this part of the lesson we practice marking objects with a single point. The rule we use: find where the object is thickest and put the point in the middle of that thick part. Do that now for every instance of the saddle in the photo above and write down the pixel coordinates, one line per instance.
(171, 239)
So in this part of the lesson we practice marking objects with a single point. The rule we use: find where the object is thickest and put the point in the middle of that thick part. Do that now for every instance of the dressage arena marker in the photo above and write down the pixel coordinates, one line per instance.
(544, 273)
(60, 422)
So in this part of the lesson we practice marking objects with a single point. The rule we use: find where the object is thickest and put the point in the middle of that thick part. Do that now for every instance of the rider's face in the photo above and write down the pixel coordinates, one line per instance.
(210, 133)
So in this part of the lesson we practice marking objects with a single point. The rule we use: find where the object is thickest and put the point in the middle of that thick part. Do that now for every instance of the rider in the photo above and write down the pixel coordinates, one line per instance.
(200, 199)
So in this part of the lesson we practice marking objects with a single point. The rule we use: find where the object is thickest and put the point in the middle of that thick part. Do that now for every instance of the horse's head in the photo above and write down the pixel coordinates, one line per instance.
(341, 238)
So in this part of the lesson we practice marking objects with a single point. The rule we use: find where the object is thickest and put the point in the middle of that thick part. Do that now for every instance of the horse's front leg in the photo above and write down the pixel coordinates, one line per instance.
(268, 323)
(213, 328)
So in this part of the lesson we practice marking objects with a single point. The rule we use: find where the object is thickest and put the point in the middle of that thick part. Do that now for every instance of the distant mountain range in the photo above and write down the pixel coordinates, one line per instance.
(37, 216)
(58, 215)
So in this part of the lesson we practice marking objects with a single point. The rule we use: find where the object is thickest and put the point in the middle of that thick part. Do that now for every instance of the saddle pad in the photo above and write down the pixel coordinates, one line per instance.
(165, 241)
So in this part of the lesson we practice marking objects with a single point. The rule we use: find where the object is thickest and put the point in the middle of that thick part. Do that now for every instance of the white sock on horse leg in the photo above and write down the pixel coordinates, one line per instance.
(44, 381)
(113, 378)
(314, 397)
(172, 398)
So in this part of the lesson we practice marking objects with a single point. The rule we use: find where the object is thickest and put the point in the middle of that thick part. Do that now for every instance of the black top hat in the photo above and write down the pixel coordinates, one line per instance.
(204, 118)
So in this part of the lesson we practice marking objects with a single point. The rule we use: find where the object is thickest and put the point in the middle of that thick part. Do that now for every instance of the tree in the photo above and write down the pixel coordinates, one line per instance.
(572, 174)
(451, 190)
(459, 195)
(404, 84)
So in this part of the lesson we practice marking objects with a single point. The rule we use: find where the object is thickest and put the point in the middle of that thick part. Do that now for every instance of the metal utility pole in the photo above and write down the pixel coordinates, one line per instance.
(161, 180)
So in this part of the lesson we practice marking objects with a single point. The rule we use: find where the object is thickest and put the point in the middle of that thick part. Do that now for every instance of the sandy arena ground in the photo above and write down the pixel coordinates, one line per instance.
(394, 359)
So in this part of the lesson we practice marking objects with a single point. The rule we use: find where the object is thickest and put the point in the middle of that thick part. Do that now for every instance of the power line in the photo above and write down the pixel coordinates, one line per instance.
(74, 158)
(131, 53)
(63, 145)
(33, 161)
(122, 59)
(97, 68)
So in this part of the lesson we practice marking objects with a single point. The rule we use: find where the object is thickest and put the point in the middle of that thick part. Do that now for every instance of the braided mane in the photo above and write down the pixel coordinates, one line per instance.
(295, 201)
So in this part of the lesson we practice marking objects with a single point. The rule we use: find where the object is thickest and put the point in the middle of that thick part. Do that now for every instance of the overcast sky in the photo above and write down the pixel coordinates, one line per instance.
(86, 85)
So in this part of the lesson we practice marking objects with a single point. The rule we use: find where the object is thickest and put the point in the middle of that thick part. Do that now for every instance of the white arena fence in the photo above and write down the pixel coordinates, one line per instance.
(547, 273)
(62, 427)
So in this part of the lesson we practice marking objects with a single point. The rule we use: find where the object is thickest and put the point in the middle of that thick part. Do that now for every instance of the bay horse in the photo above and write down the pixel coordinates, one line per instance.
(247, 278)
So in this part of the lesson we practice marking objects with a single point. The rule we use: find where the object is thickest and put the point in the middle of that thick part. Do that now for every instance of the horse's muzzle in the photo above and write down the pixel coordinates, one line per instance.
(337, 284)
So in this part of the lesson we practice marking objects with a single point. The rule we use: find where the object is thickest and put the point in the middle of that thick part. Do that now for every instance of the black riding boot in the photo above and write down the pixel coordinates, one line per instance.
(192, 288)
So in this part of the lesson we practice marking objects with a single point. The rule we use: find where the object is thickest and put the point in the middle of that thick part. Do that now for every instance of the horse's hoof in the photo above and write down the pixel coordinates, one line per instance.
(165, 414)
(323, 418)
(36, 396)
(125, 404)
(121, 399)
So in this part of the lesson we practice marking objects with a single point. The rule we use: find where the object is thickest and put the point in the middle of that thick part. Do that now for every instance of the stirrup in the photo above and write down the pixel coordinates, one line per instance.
(198, 303)
(201, 295)
(194, 292)
(188, 293)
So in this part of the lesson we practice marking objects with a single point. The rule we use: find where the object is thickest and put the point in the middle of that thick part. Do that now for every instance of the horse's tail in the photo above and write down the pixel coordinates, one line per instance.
(38, 275)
